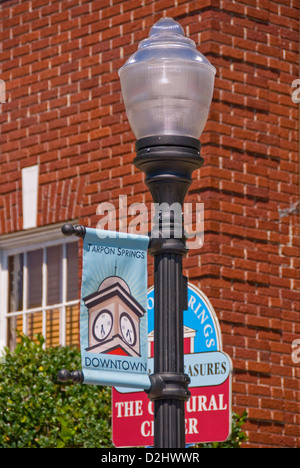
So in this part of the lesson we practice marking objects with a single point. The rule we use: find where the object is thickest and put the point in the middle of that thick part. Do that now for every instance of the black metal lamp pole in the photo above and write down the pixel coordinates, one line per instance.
(168, 163)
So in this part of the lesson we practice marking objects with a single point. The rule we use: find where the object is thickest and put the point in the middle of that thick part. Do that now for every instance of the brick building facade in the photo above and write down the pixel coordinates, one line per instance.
(64, 130)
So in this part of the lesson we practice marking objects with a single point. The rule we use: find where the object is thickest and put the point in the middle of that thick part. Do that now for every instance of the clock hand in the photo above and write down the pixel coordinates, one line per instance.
(128, 335)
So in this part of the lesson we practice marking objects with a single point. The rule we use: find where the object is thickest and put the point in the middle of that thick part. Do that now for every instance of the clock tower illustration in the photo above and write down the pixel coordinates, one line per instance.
(114, 319)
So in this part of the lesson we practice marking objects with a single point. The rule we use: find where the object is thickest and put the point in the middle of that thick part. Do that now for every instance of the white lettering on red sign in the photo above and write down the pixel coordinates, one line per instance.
(147, 427)
(126, 409)
(201, 403)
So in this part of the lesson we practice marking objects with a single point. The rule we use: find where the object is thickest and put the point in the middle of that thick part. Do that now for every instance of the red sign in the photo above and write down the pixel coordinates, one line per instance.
(207, 416)
(208, 411)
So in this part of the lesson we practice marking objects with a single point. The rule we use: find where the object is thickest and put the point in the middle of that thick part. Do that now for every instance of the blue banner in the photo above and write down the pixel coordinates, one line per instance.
(113, 312)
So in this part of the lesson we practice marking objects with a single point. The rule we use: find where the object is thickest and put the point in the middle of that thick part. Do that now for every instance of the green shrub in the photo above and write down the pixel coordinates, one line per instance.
(37, 411)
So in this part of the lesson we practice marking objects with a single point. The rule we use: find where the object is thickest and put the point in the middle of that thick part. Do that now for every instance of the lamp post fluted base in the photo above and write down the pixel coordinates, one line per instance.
(170, 296)
(168, 163)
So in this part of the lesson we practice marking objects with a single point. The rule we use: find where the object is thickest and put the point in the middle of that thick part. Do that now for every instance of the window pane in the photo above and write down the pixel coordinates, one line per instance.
(14, 325)
(52, 333)
(15, 295)
(35, 280)
(54, 259)
(72, 283)
(34, 324)
(72, 325)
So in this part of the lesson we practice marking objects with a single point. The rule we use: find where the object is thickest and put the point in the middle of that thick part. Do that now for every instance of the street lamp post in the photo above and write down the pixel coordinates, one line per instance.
(167, 88)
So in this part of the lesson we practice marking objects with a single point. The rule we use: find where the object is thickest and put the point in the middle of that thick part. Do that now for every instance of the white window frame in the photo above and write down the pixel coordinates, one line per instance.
(23, 242)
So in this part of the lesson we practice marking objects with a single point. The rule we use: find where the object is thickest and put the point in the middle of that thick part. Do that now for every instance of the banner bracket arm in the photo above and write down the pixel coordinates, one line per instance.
(76, 376)
(69, 230)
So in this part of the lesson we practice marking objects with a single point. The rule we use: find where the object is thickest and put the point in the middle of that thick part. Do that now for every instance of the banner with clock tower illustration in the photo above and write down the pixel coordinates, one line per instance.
(113, 312)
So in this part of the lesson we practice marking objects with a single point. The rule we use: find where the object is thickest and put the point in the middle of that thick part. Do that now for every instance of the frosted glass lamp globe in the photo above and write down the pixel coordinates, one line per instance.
(167, 85)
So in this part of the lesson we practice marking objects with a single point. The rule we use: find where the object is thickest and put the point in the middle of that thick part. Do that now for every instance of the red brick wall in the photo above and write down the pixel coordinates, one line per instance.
(64, 112)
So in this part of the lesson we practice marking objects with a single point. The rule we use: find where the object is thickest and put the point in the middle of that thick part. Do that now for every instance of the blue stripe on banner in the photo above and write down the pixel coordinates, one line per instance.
(128, 380)
(113, 314)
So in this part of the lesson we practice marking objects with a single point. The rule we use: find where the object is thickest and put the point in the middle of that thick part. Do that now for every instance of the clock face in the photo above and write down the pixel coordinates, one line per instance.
(102, 325)
(128, 329)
